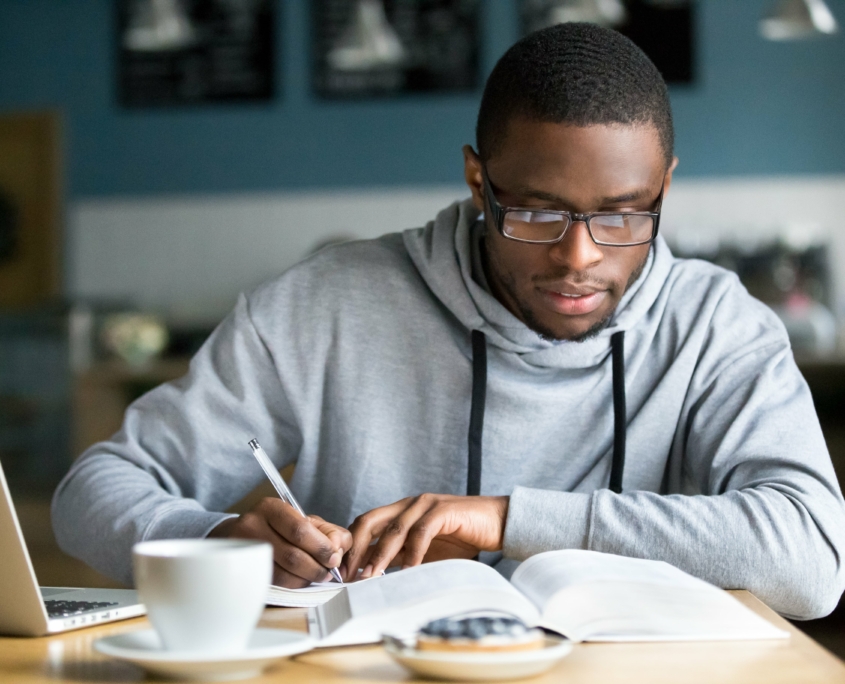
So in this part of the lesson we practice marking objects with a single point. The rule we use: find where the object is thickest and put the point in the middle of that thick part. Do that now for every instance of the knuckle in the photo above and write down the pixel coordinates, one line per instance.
(365, 519)
(299, 532)
(394, 528)
(420, 531)
(289, 558)
(324, 553)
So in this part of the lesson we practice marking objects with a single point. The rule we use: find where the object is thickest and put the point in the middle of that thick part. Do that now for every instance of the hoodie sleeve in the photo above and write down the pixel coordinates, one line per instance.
(766, 513)
(181, 456)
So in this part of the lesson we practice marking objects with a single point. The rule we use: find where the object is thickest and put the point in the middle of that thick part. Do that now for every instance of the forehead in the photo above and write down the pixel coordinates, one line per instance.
(599, 158)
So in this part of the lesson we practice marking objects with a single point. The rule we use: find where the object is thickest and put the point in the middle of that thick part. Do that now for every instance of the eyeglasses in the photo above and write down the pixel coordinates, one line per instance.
(545, 226)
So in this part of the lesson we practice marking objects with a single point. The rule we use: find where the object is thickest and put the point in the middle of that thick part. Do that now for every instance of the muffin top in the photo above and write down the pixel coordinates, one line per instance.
(475, 627)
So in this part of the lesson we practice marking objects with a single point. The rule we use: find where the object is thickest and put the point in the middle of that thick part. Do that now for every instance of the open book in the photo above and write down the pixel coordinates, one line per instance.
(583, 595)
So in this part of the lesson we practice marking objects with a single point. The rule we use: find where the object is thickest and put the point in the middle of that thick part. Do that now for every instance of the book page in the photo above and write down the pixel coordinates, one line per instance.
(400, 603)
(628, 611)
(542, 576)
(587, 595)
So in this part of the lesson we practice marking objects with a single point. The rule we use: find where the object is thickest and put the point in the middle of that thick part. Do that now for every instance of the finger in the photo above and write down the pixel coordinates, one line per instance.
(283, 578)
(397, 562)
(420, 536)
(392, 539)
(340, 537)
(299, 531)
(288, 557)
(364, 529)
(252, 525)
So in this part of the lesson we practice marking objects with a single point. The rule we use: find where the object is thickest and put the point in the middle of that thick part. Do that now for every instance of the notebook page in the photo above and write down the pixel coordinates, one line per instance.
(314, 594)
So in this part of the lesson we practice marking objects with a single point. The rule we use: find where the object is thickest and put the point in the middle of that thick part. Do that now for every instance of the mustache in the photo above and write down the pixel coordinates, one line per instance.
(571, 278)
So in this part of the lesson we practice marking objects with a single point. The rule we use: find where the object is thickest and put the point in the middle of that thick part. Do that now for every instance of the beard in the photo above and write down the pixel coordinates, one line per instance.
(527, 316)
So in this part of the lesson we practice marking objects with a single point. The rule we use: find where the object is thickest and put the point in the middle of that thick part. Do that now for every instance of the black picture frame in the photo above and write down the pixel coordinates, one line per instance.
(664, 31)
(440, 39)
(197, 52)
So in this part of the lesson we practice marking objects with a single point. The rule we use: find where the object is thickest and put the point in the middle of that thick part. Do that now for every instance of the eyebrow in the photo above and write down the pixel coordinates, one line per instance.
(633, 196)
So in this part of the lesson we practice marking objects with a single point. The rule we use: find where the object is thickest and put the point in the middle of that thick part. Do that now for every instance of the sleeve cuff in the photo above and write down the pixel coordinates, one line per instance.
(541, 520)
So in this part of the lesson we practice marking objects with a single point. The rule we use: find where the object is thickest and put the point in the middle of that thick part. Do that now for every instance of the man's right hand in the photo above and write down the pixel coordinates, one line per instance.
(303, 548)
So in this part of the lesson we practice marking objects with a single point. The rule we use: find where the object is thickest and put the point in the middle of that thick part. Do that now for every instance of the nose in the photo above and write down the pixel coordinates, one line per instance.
(576, 250)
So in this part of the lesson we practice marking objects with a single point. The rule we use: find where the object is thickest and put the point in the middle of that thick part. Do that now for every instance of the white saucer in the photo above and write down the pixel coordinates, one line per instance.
(143, 647)
(475, 666)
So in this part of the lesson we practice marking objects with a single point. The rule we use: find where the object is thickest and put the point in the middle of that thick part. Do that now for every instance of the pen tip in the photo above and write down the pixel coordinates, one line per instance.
(253, 444)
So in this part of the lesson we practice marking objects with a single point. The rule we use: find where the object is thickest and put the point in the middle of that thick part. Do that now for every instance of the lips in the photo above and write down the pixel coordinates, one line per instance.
(573, 301)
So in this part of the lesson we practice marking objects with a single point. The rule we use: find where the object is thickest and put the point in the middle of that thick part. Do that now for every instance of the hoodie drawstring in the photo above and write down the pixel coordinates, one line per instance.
(476, 412)
(479, 397)
(620, 422)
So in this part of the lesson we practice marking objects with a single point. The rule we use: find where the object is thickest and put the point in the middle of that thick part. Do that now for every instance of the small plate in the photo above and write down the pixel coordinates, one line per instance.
(143, 647)
(475, 666)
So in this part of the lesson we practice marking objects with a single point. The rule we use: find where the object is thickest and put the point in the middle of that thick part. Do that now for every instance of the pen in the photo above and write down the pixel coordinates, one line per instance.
(280, 486)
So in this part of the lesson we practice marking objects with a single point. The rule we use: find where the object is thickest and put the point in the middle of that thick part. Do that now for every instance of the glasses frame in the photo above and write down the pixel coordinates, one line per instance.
(497, 213)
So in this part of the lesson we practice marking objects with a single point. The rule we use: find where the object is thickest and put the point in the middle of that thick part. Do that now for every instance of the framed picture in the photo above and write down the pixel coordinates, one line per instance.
(365, 48)
(663, 29)
(177, 52)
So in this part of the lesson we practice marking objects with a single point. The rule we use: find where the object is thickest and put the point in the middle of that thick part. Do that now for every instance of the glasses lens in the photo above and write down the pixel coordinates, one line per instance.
(534, 226)
(622, 229)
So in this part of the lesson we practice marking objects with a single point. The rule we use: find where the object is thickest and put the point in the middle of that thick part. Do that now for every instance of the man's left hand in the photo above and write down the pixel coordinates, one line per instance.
(425, 528)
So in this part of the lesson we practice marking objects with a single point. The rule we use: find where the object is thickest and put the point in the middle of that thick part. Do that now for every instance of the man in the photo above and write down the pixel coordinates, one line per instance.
(477, 385)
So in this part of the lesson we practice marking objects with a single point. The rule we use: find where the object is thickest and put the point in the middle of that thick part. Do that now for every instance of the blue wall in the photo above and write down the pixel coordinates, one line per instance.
(758, 108)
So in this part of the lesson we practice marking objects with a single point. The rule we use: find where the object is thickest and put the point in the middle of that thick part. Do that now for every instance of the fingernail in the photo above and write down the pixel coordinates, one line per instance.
(342, 570)
(335, 558)
(368, 572)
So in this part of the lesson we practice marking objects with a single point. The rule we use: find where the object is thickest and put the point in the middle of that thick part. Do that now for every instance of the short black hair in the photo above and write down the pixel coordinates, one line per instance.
(574, 73)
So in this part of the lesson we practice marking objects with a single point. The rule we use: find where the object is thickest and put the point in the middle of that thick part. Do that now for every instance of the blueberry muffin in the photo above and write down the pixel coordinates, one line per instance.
(496, 633)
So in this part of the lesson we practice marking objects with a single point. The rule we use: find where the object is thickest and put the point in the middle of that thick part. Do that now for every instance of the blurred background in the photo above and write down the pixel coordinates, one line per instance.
(157, 157)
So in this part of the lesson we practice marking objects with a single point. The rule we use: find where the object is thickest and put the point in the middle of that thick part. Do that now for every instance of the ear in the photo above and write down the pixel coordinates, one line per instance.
(472, 175)
(667, 179)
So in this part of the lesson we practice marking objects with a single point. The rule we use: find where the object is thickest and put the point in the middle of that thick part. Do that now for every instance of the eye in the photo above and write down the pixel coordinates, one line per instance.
(534, 217)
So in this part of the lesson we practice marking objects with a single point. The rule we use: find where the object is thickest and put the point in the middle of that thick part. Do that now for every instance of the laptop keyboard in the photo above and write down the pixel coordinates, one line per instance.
(59, 609)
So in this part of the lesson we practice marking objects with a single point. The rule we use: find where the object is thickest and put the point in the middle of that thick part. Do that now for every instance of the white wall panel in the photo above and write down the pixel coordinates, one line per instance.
(188, 257)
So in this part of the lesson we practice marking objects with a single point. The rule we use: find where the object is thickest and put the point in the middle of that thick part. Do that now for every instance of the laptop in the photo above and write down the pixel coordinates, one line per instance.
(29, 610)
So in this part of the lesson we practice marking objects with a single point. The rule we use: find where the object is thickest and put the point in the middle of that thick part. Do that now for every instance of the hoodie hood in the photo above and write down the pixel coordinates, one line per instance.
(443, 254)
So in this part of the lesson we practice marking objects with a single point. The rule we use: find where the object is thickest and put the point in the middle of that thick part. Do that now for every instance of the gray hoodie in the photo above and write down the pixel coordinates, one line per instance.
(356, 364)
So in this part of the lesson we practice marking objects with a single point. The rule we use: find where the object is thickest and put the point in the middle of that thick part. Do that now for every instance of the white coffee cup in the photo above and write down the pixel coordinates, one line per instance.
(203, 595)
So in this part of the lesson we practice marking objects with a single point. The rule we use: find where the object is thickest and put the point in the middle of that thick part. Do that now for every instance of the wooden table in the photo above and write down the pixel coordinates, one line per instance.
(70, 657)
